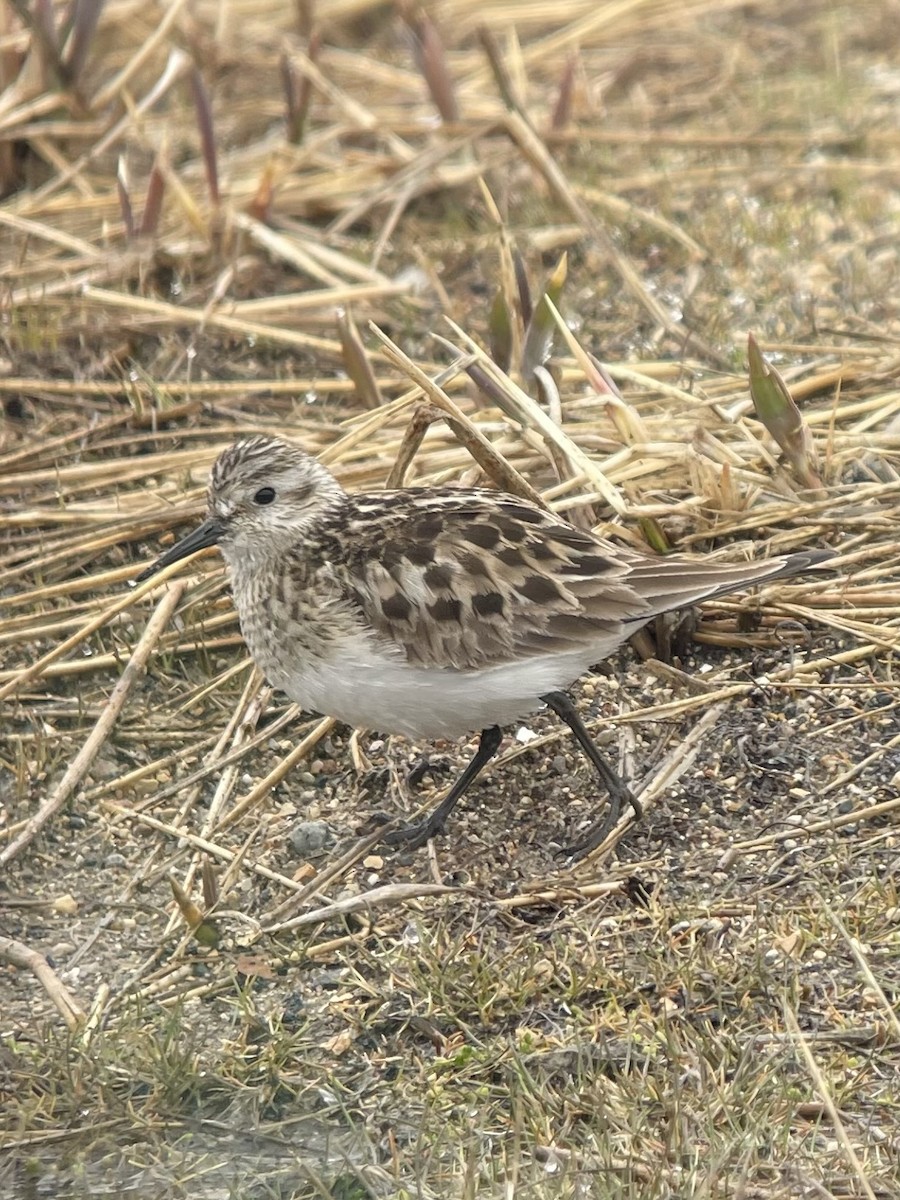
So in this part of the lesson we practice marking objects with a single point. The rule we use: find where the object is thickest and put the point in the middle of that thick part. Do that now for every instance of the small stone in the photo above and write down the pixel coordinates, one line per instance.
(105, 767)
(310, 837)
(329, 980)
(374, 862)
(115, 861)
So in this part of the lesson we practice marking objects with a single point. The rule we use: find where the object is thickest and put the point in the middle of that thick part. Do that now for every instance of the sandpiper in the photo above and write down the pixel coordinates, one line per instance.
(434, 612)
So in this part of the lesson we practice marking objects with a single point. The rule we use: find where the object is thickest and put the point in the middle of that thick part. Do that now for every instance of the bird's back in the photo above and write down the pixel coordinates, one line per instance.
(467, 579)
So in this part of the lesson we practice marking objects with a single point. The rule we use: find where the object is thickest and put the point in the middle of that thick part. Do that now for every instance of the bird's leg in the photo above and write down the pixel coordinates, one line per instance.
(616, 788)
(417, 835)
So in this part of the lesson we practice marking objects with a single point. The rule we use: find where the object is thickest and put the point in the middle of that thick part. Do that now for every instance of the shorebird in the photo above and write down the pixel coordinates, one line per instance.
(434, 612)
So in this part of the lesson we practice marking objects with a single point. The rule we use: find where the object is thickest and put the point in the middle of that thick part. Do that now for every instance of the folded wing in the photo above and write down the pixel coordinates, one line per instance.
(465, 579)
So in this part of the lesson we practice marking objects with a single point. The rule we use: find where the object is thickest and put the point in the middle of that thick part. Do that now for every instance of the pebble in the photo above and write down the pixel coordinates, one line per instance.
(310, 837)
(105, 767)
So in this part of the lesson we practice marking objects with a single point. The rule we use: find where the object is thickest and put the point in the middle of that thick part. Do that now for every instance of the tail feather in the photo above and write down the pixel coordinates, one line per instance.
(669, 583)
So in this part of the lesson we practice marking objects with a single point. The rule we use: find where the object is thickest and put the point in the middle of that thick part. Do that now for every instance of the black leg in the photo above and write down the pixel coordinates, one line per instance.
(618, 791)
(417, 835)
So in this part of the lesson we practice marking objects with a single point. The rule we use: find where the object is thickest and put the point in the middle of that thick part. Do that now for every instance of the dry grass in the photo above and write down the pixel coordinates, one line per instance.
(195, 199)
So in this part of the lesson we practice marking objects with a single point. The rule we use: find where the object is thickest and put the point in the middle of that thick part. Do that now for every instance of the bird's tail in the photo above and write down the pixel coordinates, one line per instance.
(668, 583)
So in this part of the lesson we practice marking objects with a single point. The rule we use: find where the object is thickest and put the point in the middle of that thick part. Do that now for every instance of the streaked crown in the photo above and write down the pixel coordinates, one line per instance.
(266, 493)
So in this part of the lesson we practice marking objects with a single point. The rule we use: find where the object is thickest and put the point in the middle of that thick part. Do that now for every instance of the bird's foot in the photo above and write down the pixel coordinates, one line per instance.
(411, 837)
(599, 832)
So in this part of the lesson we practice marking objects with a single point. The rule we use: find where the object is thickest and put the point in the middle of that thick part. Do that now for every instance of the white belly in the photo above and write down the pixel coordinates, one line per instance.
(371, 690)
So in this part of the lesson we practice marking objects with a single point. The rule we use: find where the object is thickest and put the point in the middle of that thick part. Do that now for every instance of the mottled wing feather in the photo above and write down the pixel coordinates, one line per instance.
(473, 580)
(468, 579)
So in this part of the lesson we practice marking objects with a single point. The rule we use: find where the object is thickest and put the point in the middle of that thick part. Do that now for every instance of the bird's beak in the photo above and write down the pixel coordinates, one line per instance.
(209, 533)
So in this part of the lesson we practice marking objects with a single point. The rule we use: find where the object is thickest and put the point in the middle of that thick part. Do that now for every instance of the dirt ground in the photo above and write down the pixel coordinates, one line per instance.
(192, 198)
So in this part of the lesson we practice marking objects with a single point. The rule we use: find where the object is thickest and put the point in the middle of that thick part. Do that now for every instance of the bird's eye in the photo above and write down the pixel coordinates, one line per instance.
(264, 496)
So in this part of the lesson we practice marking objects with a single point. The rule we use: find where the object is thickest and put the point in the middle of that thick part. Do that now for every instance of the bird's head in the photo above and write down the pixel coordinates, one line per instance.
(263, 494)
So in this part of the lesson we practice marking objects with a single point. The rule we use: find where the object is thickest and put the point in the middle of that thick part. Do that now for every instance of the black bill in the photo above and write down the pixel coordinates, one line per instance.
(207, 534)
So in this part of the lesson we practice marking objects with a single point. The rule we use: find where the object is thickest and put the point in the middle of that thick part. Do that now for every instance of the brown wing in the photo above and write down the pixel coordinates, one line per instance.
(466, 579)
